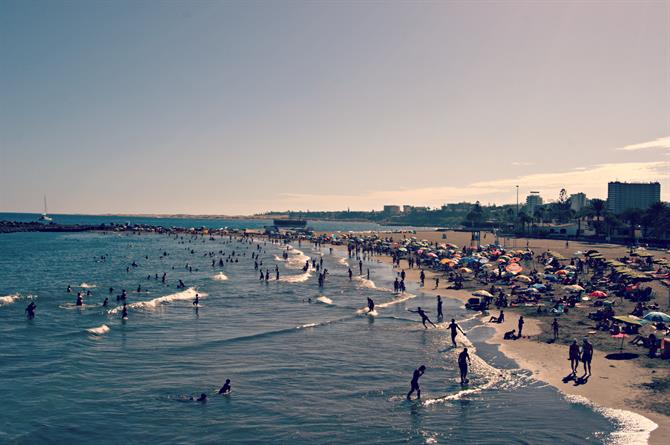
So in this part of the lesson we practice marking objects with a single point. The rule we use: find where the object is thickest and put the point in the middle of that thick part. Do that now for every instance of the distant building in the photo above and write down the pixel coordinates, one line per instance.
(629, 195)
(578, 201)
(457, 207)
(414, 209)
(533, 201)
(392, 210)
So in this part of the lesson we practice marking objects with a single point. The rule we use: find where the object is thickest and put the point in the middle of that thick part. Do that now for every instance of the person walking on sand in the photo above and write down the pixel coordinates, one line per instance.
(424, 317)
(415, 382)
(587, 355)
(555, 326)
(463, 362)
(574, 356)
(520, 325)
(440, 316)
(454, 328)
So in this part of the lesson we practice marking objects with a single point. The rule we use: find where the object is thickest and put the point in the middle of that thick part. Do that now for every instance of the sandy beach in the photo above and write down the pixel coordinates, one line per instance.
(614, 384)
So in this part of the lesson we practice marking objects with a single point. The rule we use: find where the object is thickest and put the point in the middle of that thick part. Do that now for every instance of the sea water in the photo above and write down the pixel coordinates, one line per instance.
(306, 364)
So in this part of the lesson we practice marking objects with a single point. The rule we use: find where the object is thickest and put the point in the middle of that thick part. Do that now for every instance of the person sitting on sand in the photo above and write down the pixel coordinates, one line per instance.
(510, 335)
(499, 319)
(415, 382)
(225, 389)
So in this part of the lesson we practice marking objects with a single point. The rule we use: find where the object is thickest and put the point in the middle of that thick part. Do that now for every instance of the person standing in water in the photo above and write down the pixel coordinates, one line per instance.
(80, 299)
(106, 302)
(454, 331)
(30, 310)
(124, 311)
(424, 317)
(463, 362)
(440, 316)
(350, 274)
(371, 305)
(415, 382)
(196, 301)
(225, 389)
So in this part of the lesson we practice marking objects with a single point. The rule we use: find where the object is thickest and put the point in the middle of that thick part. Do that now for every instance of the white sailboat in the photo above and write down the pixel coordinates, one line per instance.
(44, 216)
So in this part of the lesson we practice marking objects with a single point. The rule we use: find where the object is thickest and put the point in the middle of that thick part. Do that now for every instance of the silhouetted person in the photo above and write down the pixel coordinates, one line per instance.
(424, 317)
(225, 389)
(415, 382)
(463, 361)
(30, 310)
(454, 331)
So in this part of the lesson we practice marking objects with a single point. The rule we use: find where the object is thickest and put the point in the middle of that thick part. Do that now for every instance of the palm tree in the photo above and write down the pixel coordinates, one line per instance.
(633, 217)
(599, 207)
(524, 219)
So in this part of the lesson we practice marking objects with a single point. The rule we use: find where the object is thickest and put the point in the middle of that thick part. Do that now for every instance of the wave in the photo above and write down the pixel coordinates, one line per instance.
(400, 299)
(369, 284)
(9, 299)
(632, 428)
(87, 286)
(220, 277)
(100, 330)
(300, 278)
(296, 258)
(186, 295)
(325, 300)
(343, 262)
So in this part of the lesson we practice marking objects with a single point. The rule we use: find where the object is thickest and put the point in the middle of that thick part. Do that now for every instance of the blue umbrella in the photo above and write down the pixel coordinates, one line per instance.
(657, 317)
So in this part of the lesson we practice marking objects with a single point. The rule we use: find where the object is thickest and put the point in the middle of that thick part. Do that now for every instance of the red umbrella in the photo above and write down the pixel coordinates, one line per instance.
(598, 294)
(620, 335)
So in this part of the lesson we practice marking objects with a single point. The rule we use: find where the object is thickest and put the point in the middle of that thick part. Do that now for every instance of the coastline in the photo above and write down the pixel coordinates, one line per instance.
(615, 387)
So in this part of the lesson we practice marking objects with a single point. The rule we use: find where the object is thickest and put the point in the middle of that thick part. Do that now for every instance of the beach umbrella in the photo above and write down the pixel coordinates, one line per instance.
(561, 272)
(523, 278)
(514, 268)
(620, 335)
(539, 286)
(657, 317)
(482, 293)
(574, 288)
(465, 270)
(598, 294)
(432, 255)
(445, 261)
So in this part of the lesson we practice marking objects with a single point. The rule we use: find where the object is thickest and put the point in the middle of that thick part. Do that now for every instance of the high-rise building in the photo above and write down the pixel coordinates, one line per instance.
(578, 201)
(628, 195)
(392, 210)
(533, 201)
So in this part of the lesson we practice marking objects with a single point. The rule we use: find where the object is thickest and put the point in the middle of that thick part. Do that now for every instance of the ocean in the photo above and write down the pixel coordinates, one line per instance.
(306, 364)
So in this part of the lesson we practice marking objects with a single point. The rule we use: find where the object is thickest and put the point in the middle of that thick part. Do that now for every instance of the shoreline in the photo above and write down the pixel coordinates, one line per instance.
(548, 363)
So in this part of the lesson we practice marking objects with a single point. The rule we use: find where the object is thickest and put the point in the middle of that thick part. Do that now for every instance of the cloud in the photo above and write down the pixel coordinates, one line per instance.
(590, 180)
(663, 143)
(522, 163)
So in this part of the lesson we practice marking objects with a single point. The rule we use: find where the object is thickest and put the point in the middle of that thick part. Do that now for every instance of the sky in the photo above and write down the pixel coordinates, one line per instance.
(211, 107)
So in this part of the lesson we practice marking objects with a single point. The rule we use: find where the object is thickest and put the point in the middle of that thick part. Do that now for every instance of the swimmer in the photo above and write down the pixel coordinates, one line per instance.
(454, 331)
(80, 299)
(463, 362)
(106, 302)
(202, 398)
(225, 389)
(30, 310)
(415, 382)
(424, 317)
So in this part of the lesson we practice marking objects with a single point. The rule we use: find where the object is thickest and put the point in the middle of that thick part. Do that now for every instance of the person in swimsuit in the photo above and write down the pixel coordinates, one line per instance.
(415, 382)
(587, 355)
(424, 317)
(574, 356)
(463, 361)
(454, 328)
(225, 389)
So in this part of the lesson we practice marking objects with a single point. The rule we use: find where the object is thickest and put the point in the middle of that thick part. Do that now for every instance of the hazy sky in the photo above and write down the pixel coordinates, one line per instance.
(239, 107)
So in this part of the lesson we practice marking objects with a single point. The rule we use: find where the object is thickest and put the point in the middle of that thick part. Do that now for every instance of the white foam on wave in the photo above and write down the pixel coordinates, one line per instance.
(308, 325)
(296, 258)
(325, 300)
(369, 284)
(220, 277)
(100, 330)
(185, 295)
(343, 261)
(300, 278)
(632, 428)
(484, 372)
(9, 299)
(87, 286)
(398, 300)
